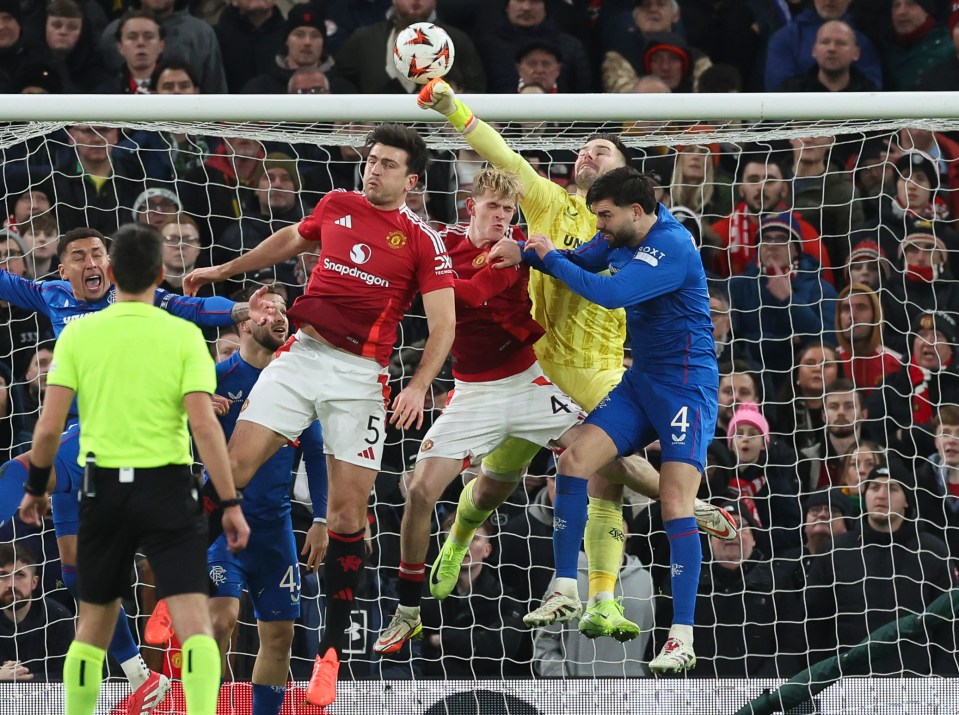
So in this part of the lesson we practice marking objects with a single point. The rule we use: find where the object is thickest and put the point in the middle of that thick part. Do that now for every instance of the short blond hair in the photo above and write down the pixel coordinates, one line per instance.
(501, 183)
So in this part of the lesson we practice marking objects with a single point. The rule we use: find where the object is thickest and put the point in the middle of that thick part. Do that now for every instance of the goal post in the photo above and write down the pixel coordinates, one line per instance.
(212, 158)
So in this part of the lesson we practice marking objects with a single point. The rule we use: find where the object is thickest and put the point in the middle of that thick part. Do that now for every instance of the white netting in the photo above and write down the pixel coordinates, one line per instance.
(841, 178)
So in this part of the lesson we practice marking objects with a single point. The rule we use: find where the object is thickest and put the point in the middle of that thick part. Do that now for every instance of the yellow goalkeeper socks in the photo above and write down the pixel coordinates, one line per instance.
(82, 674)
(201, 674)
(468, 516)
(604, 540)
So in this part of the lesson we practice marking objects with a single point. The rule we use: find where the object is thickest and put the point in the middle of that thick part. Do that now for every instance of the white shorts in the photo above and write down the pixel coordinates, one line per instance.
(481, 415)
(310, 380)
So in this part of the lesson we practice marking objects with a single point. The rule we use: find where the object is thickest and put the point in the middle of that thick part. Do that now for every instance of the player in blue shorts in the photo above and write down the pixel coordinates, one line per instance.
(84, 289)
(268, 566)
(670, 393)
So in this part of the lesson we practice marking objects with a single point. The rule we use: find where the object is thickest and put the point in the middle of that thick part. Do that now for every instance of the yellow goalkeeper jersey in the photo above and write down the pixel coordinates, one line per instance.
(579, 333)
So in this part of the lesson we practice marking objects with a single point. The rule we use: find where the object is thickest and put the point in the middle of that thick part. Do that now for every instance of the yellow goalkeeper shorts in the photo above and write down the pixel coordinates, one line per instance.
(587, 387)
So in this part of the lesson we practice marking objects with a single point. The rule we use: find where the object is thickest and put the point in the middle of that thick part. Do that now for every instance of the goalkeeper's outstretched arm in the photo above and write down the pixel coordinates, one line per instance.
(438, 95)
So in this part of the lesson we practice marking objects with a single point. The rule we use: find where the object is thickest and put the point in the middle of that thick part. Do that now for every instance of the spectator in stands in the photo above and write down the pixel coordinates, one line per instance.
(886, 571)
(736, 606)
(867, 263)
(305, 40)
(873, 177)
(781, 298)
(309, 80)
(539, 64)
(738, 385)
(372, 70)
(790, 48)
(863, 355)
(523, 22)
(140, 42)
(670, 58)
(250, 33)
(72, 46)
(827, 514)
(923, 280)
(834, 51)
(28, 392)
(561, 651)
(93, 189)
(181, 248)
(13, 440)
(347, 16)
(918, 195)
(526, 553)
(186, 36)
(914, 45)
(762, 477)
(180, 153)
(18, 343)
(155, 206)
(699, 184)
(226, 344)
(761, 190)
(722, 326)
(944, 77)
(475, 630)
(854, 468)
(278, 205)
(800, 416)
(40, 239)
(844, 416)
(823, 195)
(943, 152)
(937, 482)
(35, 632)
(30, 203)
(14, 51)
(909, 399)
(230, 175)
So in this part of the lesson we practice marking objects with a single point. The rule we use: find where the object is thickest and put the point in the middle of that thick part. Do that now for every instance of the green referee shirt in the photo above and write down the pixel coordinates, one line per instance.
(130, 365)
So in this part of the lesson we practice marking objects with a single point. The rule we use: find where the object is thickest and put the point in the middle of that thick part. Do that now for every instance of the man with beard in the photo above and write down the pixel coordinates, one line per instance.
(761, 190)
(34, 632)
(581, 352)
(843, 416)
(910, 397)
(863, 355)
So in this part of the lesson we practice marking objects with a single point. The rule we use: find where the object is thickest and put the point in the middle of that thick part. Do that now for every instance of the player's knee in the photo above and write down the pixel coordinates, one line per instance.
(276, 639)
(421, 495)
(223, 622)
(574, 461)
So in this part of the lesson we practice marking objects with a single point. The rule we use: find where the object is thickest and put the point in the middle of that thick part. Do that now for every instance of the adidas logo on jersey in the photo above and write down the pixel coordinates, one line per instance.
(366, 453)
(345, 222)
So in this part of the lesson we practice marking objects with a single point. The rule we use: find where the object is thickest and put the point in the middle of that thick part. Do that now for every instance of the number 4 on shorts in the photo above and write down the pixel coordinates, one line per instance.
(680, 422)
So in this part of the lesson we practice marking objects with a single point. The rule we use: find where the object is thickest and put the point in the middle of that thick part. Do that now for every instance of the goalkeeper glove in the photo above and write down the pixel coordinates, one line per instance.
(438, 95)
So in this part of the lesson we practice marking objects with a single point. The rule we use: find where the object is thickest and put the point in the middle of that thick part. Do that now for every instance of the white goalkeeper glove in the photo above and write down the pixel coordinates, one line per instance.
(438, 95)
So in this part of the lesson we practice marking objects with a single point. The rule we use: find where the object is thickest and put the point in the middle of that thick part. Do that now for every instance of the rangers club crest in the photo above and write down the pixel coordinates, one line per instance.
(396, 239)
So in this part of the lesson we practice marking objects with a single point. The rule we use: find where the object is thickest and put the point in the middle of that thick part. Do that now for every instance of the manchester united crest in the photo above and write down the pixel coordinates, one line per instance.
(427, 445)
(480, 260)
(396, 239)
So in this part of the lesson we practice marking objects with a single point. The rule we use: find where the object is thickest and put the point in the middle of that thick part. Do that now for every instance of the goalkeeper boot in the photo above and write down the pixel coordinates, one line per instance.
(605, 618)
(406, 625)
(446, 568)
(557, 608)
(675, 657)
(714, 521)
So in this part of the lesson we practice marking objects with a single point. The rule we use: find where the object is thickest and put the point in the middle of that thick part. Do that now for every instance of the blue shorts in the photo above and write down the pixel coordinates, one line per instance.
(268, 567)
(66, 494)
(641, 410)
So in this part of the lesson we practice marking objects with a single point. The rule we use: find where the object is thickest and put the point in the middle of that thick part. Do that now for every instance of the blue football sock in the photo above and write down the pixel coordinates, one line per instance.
(686, 561)
(122, 646)
(13, 475)
(268, 699)
(569, 523)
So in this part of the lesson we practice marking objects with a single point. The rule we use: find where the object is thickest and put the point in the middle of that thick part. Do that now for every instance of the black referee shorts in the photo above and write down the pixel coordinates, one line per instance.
(157, 514)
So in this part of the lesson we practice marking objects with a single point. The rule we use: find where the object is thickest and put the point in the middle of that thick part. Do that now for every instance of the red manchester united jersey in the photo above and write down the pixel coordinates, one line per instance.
(372, 263)
(494, 329)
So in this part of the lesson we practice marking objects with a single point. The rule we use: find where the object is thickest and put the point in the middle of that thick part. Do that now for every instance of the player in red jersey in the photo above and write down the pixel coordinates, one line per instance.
(500, 392)
(375, 255)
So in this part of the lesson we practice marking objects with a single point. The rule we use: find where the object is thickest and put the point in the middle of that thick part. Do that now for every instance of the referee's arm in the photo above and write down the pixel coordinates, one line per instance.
(46, 441)
(208, 435)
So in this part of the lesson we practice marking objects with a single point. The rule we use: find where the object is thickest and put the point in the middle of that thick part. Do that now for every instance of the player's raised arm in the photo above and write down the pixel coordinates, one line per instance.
(282, 245)
(441, 318)
(22, 292)
(46, 442)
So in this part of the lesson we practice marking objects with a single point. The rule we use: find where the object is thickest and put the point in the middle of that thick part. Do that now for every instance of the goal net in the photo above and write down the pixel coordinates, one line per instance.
(826, 228)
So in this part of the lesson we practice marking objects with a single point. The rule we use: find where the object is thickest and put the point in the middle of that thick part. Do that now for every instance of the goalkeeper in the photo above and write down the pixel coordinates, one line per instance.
(581, 352)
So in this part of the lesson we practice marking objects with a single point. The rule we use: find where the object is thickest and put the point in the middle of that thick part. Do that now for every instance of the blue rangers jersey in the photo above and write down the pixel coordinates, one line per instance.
(266, 499)
(662, 285)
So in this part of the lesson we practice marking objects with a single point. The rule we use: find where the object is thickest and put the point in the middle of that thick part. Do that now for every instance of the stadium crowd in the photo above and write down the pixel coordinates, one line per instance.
(833, 296)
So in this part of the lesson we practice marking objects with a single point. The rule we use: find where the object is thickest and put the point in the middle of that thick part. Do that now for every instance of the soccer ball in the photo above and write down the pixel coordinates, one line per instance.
(423, 52)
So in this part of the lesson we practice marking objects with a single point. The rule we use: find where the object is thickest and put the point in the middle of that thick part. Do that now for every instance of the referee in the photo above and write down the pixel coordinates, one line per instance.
(138, 374)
